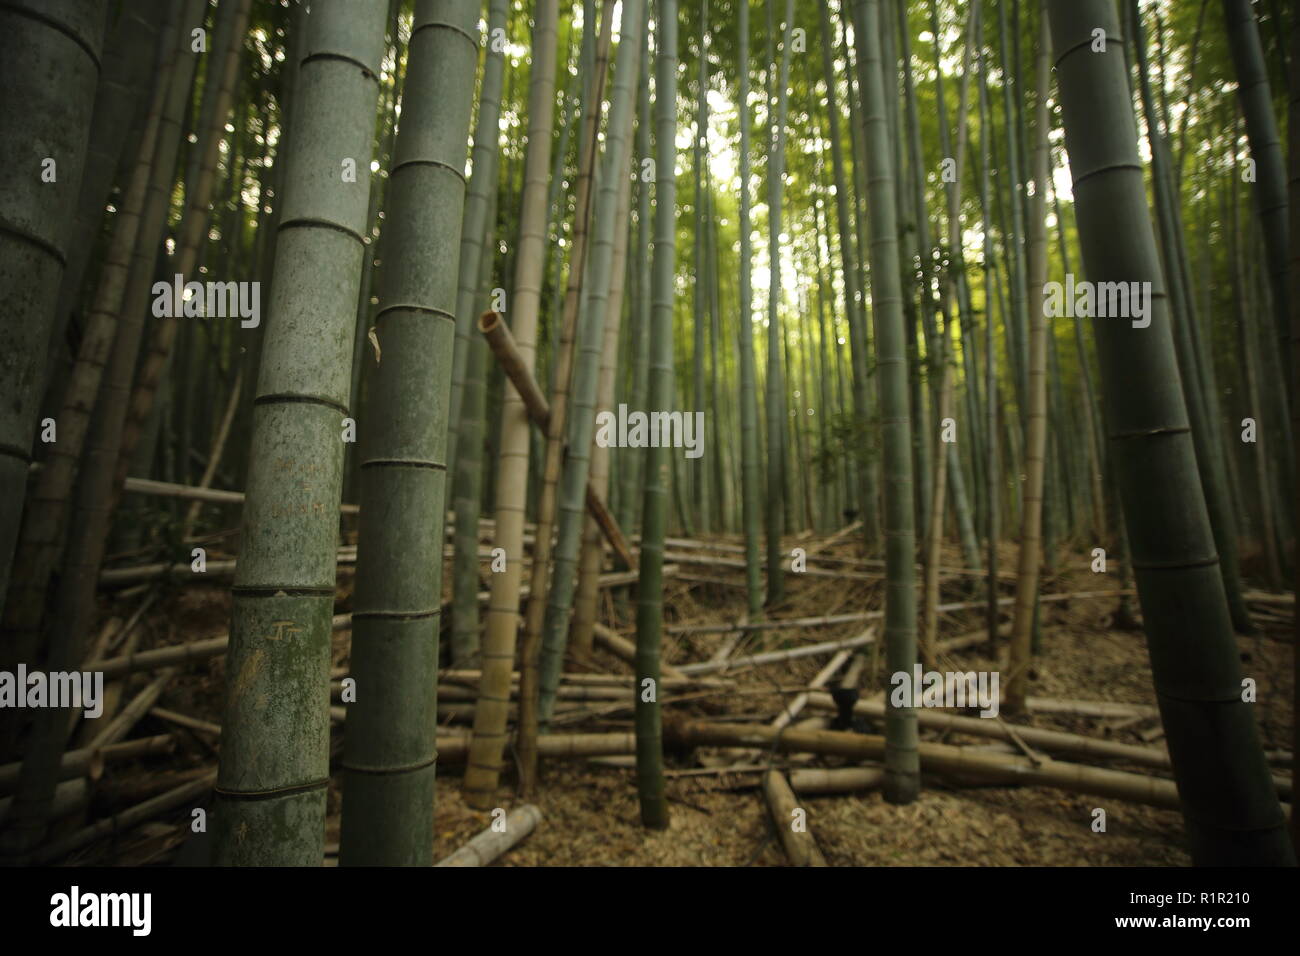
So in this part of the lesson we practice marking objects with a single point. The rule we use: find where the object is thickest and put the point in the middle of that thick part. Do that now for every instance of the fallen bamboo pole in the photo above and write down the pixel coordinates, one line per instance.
(131, 817)
(625, 649)
(455, 749)
(1053, 740)
(186, 721)
(1089, 708)
(942, 758)
(812, 780)
(90, 760)
(791, 821)
(121, 725)
(771, 657)
(491, 843)
(69, 796)
(503, 347)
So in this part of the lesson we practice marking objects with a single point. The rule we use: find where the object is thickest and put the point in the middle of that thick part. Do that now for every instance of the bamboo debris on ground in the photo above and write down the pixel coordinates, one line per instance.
(790, 820)
(492, 843)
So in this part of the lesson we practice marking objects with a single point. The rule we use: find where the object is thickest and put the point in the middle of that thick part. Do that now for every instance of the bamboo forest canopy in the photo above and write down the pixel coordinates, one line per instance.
(395, 383)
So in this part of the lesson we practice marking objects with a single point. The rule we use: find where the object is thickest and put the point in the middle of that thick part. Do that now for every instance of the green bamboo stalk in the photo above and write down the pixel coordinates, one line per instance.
(1211, 732)
(467, 409)
(775, 387)
(650, 593)
(43, 525)
(902, 765)
(92, 508)
(274, 770)
(389, 754)
(1031, 519)
(571, 506)
(558, 422)
(750, 490)
(632, 466)
(1196, 384)
(1270, 195)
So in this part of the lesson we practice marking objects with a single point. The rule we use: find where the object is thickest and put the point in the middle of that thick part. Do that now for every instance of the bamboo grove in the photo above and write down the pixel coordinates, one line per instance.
(311, 300)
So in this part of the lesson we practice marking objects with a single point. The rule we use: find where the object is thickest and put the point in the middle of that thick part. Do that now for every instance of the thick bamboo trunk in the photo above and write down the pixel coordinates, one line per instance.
(49, 68)
(903, 770)
(48, 504)
(275, 760)
(390, 749)
(1211, 730)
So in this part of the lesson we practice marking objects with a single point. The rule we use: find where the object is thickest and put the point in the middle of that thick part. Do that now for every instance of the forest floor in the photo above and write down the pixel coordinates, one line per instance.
(590, 810)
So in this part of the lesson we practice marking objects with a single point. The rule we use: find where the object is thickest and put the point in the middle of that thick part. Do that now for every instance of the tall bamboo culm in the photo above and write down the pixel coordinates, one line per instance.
(498, 651)
(390, 747)
(654, 515)
(902, 764)
(274, 769)
(1211, 732)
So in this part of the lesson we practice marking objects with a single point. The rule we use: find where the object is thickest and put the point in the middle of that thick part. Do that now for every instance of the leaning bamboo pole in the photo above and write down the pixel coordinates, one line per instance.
(508, 354)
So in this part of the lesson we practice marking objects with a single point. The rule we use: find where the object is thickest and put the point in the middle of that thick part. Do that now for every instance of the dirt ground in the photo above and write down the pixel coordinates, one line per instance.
(590, 811)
